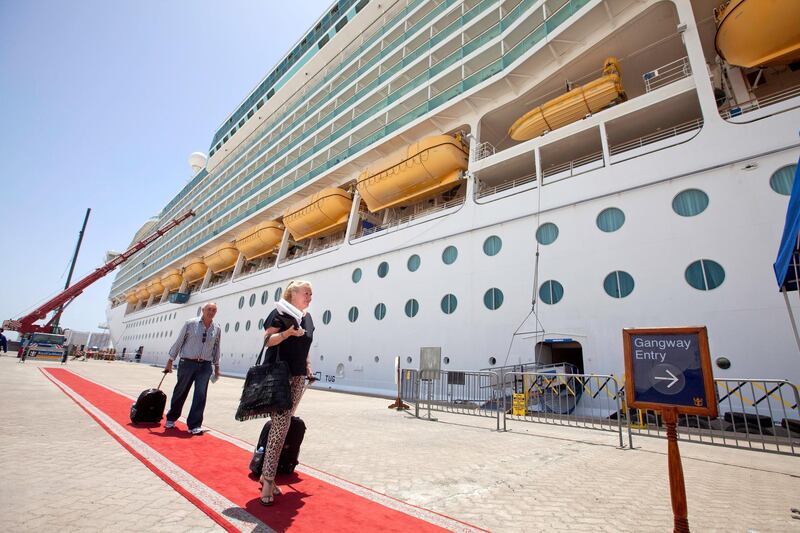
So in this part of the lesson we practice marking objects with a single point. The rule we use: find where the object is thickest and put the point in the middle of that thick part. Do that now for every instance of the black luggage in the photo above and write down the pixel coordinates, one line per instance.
(291, 447)
(149, 407)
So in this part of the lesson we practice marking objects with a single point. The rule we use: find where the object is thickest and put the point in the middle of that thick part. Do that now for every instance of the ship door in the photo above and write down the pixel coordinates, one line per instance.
(560, 351)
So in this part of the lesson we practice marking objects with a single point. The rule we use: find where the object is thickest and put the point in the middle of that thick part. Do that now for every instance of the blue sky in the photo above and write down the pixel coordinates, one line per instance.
(101, 104)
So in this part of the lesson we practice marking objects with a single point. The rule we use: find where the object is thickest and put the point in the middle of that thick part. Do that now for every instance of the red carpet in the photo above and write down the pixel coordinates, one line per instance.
(306, 505)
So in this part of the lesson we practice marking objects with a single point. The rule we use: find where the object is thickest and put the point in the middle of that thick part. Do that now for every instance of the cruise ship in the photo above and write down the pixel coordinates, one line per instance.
(513, 181)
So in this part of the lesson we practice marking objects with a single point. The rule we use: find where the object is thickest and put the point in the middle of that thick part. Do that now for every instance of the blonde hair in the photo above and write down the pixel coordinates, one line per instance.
(295, 285)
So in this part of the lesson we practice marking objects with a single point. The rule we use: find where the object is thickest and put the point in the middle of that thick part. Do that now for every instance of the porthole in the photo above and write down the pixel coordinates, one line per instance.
(236, 327)
(352, 315)
(449, 304)
(326, 317)
(380, 311)
(782, 180)
(349, 358)
(409, 359)
(413, 263)
(200, 310)
(247, 326)
(321, 357)
(618, 284)
(412, 308)
(356, 276)
(446, 360)
(547, 233)
(241, 302)
(264, 297)
(377, 359)
(449, 255)
(610, 220)
(690, 202)
(492, 361)
(252, 301)
(551, 292)
(492, 245)
(383, 269)
(278, 292)
(493, 298)
(705, 275)
(260, 323)
(723, 362)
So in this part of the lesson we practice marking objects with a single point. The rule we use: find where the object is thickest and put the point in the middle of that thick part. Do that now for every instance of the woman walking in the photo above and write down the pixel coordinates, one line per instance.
(289, 328)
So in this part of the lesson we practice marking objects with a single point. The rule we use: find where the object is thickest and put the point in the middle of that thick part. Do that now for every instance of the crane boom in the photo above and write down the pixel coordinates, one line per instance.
(27, 324)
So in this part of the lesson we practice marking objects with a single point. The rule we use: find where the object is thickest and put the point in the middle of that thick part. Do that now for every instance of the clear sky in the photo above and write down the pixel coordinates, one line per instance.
(101, 104)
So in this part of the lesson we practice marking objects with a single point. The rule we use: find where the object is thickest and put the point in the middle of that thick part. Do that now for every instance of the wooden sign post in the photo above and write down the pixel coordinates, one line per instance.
(669, 370)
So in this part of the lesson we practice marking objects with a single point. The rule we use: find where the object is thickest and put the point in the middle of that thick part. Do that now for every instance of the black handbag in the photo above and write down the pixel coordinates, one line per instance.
(266, 388)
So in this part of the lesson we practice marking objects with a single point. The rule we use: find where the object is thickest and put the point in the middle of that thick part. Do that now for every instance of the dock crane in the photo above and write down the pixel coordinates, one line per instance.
(26, 325)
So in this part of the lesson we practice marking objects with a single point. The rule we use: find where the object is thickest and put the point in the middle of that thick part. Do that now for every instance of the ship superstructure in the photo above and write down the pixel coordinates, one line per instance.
(513, 181)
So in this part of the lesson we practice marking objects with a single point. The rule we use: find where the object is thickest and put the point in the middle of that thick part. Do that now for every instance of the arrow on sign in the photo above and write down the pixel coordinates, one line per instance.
(672, 378)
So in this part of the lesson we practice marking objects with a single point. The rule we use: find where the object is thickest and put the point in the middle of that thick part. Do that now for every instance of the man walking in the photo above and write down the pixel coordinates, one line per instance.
(3, 342)
(198, 347)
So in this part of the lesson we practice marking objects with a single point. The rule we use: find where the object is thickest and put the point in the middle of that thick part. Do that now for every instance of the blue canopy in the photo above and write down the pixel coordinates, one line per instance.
(789, 252)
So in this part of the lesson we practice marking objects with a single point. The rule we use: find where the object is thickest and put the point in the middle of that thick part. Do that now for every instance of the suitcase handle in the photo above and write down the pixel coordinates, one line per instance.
(162, 381)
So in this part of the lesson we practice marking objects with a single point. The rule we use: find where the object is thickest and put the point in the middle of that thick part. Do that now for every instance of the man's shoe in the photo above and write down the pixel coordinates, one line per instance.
(196, 431)
(169, 425)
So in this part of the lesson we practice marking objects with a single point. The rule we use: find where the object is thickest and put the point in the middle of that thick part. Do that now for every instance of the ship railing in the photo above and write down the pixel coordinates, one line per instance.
(574, 167)
(487, 190)
(759, 103)
(364, 231)
(754, 414)
(692, 125)
(666, 74)
(483, 150)
(452, 391)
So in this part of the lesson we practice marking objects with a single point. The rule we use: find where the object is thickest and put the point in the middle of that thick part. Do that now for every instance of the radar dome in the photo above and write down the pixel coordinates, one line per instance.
(198, 161)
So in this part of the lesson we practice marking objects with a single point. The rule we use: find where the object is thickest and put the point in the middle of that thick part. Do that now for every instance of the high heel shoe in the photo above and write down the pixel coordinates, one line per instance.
(268, 492)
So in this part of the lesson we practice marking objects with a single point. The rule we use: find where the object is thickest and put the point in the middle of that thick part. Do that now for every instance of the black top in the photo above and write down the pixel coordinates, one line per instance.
(293, 350)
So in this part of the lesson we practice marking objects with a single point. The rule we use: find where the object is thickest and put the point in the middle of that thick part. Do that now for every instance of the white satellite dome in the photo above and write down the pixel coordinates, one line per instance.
(198, 161)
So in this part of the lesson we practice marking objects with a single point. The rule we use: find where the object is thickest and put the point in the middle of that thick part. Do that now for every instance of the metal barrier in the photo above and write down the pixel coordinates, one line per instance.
(755, 414)
(587, 401)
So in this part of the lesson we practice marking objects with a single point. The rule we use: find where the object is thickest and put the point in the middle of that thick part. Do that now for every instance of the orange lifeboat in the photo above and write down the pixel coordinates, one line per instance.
(142, 293)
(194, 270)
(222, 258)
(173, 280)
(572, 106)
(155, 288)
(319, 215)
(132, 298)
(424, 169)
(260, 240)
(757, 33)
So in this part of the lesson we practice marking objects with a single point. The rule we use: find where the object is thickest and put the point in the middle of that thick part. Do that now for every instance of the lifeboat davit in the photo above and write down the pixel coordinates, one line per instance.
(426, 168)
(319, 215)
(132, 298)
(155, 288)
(757, 33)
(173, 280)
(260, 240)
(142, 293)
(222, 258)
(194, 270)
(572, 106)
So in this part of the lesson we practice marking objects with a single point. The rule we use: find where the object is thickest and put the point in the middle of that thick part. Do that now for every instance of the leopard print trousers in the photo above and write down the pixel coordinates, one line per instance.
(280, 426)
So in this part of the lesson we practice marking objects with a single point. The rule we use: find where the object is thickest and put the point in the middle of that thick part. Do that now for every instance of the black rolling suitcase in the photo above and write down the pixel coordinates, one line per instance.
(149, 407)
(291, 447)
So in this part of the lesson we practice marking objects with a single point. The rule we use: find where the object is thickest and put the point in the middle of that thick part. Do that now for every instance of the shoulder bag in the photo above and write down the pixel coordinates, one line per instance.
(266, 388)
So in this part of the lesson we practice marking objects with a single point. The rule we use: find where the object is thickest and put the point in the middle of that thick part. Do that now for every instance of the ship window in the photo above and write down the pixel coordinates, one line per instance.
(409, 359)
(449, 255)
(260, 323)
(361, 4)
(413, 263)
(233, 132)
(618, 284)
(241, 123)
(705, 275)
(446, 360)
(547, 233)
(260, 104)
(782, 179)
(412, 308)
(356, 275)
(241, 302)
(224, 139)
(341, 23)
(493, 298)
(377, 359)
(278, 294)
(252, 299)
(271, 93)
(236, 327)
(219, 145)
(250, 113)
(247, 326)
(380, 311)
(326, 317)
(212, 152)
(690, 202)
(610, 219)
(349, 358)
(492, 361)
(264, 297)
(200, 310)
(322, 42)
(551, 292)
(449, 304)
(383, 269)
(492, 245)
(352, 315)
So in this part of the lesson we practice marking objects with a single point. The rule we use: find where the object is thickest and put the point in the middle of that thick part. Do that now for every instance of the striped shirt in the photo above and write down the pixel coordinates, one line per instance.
(190, 345)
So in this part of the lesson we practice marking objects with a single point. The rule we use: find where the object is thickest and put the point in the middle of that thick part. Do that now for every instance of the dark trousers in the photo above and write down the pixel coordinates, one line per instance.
(190, 373)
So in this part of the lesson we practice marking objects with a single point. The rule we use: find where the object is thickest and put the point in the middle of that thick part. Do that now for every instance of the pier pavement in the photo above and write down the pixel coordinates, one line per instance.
(62, 471)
